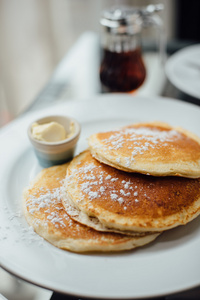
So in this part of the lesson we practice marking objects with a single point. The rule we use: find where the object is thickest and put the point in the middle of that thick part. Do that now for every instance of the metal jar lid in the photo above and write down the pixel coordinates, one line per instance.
(127, 20)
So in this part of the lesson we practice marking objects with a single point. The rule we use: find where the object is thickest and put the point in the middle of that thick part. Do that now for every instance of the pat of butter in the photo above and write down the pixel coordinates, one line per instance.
(48, 132)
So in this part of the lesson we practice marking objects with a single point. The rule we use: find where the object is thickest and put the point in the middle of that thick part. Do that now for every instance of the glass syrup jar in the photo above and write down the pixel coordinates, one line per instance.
(122, 68)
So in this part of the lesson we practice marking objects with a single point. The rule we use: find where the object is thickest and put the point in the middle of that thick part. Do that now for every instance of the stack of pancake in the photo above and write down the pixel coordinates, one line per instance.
(128, 187)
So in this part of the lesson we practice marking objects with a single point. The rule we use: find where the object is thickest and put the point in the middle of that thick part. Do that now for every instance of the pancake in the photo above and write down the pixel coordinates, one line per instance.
(131, 201)
(150, 148)
(45, 213)
(76, 214)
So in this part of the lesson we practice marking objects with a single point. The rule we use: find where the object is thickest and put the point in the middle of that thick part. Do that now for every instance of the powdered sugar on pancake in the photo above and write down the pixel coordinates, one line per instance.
(153, 148)
(94, 180)
(142, 139)
(43, 200)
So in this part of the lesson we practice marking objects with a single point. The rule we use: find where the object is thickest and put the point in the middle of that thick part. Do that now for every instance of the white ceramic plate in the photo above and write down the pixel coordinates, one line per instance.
(168, 265)
(183, 70)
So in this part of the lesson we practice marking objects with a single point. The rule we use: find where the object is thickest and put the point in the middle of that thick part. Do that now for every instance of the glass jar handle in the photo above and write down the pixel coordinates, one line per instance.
(150, 18)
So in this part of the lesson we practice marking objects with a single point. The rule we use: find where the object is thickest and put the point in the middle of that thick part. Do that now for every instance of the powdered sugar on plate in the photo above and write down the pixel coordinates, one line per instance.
(23, 233)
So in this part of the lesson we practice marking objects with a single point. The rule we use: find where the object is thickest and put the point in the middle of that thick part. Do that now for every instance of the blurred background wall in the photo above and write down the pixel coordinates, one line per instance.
(34, 37)
(36, 34)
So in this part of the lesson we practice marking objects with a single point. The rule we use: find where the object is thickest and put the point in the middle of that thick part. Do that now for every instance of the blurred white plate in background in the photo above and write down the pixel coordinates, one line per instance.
(183, 70)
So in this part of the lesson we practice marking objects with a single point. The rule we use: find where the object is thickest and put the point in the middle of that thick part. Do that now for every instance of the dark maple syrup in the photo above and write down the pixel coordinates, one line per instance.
(122, 71)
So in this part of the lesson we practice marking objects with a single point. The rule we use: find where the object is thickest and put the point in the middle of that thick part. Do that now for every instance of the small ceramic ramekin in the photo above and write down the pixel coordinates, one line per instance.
(55, 153)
